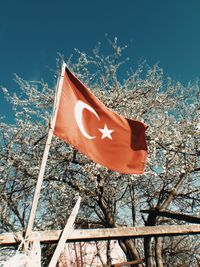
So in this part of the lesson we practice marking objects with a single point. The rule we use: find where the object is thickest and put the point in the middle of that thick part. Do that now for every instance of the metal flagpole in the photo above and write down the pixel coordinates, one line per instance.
(46, 152)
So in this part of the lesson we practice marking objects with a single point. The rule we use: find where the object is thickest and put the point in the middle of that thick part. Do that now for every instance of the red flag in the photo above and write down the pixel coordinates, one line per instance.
(101, 134)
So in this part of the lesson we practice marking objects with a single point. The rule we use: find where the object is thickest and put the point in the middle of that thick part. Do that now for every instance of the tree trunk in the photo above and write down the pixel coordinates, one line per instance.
(148, 252)
(129, 248)
(108, 253)
(128, 245)
(158, 251)
(173, 192)
(151, 221)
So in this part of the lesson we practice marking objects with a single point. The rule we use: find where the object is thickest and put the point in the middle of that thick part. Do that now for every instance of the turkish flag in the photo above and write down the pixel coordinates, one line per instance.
(101, 134)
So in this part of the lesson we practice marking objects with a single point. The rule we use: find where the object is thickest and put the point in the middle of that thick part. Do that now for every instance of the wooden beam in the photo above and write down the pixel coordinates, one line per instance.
(65, 234)
(173, 215)
(84, 235)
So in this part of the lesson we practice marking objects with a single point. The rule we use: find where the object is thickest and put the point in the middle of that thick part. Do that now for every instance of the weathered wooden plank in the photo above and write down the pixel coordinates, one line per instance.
(65, 234)
(85, 235)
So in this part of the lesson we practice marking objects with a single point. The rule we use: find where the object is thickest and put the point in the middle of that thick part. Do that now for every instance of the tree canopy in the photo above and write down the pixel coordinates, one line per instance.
(109, 199)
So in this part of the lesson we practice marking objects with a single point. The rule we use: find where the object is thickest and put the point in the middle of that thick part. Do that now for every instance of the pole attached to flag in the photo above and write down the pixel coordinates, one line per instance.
(46, 152)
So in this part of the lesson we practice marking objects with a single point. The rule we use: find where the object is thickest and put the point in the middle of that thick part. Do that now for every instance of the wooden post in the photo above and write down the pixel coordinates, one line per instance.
(65, 234)
(45, 154)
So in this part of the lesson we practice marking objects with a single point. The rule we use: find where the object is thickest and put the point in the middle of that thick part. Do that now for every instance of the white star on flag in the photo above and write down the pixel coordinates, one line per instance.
(106, 132)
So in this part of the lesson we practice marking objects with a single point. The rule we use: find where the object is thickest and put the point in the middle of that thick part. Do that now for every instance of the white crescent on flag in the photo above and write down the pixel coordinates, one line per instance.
(78, 112)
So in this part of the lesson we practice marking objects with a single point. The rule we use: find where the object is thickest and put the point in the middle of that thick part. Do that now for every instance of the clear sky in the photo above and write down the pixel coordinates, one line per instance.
(33, 31)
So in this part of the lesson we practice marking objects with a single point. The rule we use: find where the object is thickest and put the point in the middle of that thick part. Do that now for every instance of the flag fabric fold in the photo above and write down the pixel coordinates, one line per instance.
(96, 131)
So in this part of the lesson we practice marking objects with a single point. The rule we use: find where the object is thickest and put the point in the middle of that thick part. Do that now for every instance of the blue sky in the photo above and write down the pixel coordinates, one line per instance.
(33, 32)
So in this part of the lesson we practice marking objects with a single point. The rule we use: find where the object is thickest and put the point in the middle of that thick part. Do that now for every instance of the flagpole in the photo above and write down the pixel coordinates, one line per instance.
(45, 153)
